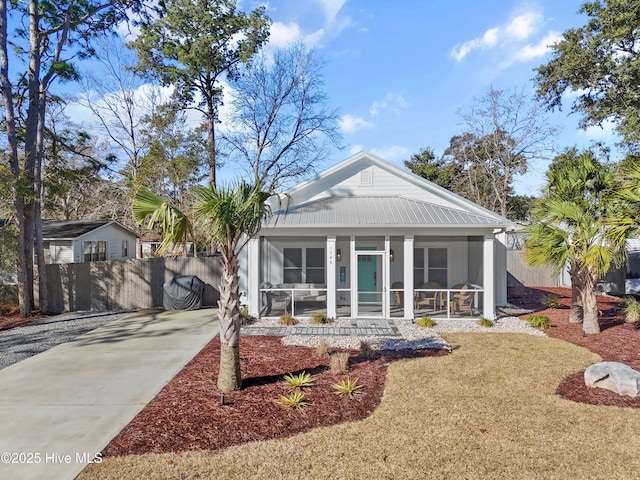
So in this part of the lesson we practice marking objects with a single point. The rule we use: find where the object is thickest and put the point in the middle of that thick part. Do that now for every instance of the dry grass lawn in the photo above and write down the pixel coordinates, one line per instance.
(488, 410)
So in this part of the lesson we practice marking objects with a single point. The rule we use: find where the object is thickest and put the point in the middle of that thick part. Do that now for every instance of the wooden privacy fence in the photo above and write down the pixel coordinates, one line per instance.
(126, 284)
(520, 273)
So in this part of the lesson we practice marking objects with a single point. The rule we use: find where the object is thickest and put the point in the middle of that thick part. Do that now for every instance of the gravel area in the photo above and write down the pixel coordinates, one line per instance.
(413, 336)
(23, 342)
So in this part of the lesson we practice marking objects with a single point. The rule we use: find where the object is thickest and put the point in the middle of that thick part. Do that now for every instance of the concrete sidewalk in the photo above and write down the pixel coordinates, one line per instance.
(60, 408)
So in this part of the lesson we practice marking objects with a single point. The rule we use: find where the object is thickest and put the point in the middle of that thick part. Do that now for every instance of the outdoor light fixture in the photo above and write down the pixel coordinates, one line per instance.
(392, 256)
(338, 255)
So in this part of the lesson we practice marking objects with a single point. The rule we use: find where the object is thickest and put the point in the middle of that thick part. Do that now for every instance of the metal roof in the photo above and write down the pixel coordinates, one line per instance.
(376, 211)
(69, 229)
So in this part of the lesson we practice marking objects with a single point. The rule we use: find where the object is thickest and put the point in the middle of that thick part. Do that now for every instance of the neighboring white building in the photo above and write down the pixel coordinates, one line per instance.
(76, 241)
(366, 239)
(150, 243)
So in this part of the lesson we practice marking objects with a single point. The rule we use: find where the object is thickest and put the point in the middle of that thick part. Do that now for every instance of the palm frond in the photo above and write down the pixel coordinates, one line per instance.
(175, 226)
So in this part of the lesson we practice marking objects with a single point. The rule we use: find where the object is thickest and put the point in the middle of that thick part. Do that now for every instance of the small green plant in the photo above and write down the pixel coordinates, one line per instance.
(347, 388)
(287, 319)
(365, 350)
(294, 401)
(539, 321)
(339, 362)
(551, 300)
(485, 322)
(299, 382)
(426, 322)
(245, 318)
(319, 318)
(632, 311)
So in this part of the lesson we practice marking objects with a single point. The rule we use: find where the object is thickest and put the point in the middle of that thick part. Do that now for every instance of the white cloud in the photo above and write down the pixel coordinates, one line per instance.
(391, 101)
(284, 34)
(519, 28)
(331, 8)
(529, 52)
(351, 124)
(392, 153)
(523, 26)
(601, 133)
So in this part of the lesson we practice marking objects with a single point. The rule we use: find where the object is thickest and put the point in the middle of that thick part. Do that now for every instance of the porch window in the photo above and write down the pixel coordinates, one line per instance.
(430, 265)
(437, 265)
(94, 251)
(125, 248)
(303, 265)
(292, 265)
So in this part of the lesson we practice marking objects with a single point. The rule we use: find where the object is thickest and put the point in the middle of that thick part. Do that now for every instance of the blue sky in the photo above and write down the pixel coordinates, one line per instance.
(400, 73)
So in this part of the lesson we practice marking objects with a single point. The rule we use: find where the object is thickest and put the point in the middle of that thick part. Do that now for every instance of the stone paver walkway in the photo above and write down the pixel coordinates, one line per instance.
(358, 328)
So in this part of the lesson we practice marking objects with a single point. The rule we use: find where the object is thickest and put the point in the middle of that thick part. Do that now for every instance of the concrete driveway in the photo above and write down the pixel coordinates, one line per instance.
(60, 408)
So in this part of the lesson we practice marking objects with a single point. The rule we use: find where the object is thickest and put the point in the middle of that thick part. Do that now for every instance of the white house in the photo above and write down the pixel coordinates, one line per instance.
(366, 239)
(75, 241)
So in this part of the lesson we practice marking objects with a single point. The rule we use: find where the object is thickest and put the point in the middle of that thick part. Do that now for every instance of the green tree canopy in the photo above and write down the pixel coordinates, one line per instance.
(600, 62)
(436, 170)
(192, 44)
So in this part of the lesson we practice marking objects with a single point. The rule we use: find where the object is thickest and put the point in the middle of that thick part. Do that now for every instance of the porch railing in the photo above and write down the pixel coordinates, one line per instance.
(283, 300)
(449, 300)
(434, 301)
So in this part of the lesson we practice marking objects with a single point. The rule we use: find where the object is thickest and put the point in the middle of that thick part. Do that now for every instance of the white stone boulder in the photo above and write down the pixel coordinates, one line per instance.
(614, 376)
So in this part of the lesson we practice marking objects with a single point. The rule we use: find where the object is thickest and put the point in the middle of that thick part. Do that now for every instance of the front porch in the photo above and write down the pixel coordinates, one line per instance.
(389, 276)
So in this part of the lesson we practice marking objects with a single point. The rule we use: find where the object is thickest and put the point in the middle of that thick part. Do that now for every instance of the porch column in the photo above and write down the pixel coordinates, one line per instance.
(488, 277)
(253, 276)
(408, 277)
(331, 276)
(353, 274)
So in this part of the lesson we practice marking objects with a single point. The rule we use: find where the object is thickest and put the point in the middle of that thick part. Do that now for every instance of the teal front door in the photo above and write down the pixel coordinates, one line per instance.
(370, 284)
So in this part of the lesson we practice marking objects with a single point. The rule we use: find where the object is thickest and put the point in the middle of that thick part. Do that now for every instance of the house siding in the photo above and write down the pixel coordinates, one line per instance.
(382, 183)
(114, 236)
(61, 251)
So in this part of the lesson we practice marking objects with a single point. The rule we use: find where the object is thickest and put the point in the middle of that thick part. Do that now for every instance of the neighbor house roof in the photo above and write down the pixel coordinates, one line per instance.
(376, 211)
(70, 229)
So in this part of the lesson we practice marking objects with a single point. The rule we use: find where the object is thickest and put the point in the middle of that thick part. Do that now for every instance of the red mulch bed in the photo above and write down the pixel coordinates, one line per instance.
(12, 319)
(617, 342)
(187, 414)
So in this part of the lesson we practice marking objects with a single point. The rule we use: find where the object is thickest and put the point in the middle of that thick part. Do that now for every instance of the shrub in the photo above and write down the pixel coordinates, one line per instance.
(8, 298)
(298, 382)
(551, 300)
(245, 318)
(339, 362)
(632, 311)
(287, 319)
(295, 400)
(426, 322)
(320, 318)
(347, 388)
(365, 349)
(539, 321)
(485, 322)
(322, 349)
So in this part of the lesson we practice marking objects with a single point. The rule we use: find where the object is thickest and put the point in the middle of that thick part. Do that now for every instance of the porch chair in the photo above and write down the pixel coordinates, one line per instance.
(462, 301)
(427, 298)
(278, 301)
(398, 296)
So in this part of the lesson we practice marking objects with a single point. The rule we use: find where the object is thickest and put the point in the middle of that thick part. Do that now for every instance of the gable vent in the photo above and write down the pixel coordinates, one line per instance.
(366, 177)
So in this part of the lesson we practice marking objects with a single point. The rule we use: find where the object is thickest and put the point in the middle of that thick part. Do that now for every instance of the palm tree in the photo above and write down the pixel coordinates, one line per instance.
(573, 227)
(230, 217)
(176, 227)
